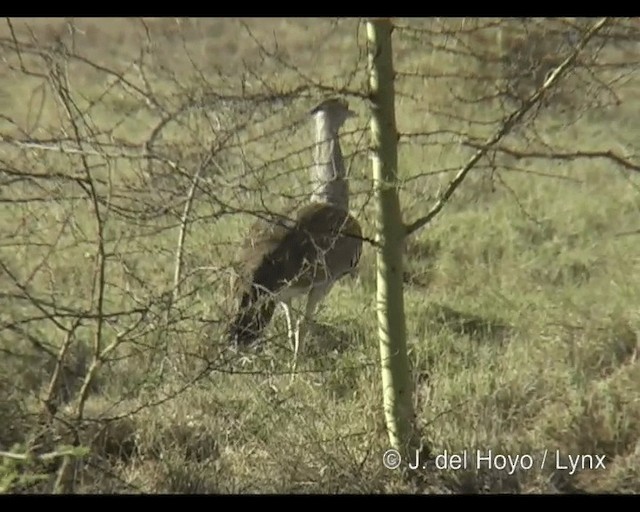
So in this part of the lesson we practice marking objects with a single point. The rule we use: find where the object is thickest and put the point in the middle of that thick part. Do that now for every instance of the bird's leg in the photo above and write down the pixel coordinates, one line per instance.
(286, 305)
(302, 325)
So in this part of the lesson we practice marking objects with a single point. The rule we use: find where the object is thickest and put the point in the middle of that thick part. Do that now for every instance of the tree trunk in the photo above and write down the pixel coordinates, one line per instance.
(390, 234)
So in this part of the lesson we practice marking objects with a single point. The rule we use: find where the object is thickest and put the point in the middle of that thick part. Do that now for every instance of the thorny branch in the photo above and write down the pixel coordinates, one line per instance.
(506, 127)
(612, 156)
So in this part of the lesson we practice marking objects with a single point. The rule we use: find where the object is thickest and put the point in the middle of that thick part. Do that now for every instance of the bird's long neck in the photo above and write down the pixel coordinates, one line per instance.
(328, 176)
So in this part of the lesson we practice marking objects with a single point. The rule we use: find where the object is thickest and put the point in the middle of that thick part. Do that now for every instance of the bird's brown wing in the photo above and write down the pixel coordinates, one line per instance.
(280, 251)
(263, 267)
(334, 241)
(266, 254)
(323, 243)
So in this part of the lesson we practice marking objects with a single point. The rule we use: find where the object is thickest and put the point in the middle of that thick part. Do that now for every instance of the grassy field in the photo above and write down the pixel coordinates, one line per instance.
(522, 297)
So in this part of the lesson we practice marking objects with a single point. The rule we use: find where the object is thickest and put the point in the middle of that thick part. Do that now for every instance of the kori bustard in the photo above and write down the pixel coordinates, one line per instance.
(303, 255)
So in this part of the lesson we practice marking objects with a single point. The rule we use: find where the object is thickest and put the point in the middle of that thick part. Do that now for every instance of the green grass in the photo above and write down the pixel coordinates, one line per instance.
(521, 296)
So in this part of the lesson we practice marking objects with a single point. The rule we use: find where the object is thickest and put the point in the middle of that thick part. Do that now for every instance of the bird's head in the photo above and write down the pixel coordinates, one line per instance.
(333, 112)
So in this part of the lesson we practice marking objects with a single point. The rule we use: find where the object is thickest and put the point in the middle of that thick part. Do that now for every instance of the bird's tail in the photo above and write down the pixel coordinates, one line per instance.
(252, 317)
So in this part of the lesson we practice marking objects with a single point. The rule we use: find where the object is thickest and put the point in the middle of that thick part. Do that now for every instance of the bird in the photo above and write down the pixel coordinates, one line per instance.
(300, 253)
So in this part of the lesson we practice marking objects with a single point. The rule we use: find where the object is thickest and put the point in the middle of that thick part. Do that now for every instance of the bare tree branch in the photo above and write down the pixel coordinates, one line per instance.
(506, 127)
(555, 155)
